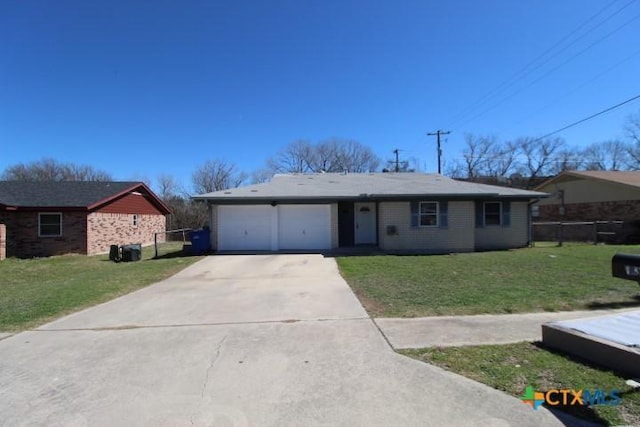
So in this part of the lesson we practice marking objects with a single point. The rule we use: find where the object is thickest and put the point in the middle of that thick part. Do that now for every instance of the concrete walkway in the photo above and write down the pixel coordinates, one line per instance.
(271, 340)
(453, 331)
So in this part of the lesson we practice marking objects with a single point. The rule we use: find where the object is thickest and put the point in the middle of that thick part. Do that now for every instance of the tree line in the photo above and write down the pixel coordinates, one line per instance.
(522, 162)
(525, 161)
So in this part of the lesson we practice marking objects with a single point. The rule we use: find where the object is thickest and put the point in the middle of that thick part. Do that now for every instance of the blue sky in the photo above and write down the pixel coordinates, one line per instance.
(139, 88)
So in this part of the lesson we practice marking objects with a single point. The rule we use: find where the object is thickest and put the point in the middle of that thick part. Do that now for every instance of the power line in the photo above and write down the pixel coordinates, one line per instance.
(532, 66)
(503, 100)
(606, 110)
(585, 83)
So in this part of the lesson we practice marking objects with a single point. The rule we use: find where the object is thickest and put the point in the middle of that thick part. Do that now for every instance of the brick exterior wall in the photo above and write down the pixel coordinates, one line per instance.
(626, 210)
(82, 233)
(23, 240)
(106, 229)
(3, 241)
(6, 218)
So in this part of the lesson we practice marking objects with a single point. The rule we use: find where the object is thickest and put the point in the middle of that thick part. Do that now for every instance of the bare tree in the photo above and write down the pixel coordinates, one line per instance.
(261, 175)
(168, 186)
(297, 157)
(632, 131)
(332, 155)
(49, 169)
(632, 128)
(325, 157)
(539, 157)
(477, 151)
(216, 175)
(185, 213)
(453, 169)
(338, 155)
(501, 159)
(607, 155)
(566, 159)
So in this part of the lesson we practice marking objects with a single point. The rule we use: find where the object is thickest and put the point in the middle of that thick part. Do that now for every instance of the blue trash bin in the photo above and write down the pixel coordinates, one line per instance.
(200, 241)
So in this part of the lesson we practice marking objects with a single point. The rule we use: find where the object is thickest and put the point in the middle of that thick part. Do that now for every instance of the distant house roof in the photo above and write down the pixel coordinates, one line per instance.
(70, 194)
(631, 178)
(380, 186)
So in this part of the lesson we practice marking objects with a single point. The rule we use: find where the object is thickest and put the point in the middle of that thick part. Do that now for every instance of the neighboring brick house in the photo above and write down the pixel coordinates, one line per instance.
(81, 217)
(593, 196)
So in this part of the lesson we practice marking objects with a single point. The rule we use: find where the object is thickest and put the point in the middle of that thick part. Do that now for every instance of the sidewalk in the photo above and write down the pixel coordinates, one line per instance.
(453, 331)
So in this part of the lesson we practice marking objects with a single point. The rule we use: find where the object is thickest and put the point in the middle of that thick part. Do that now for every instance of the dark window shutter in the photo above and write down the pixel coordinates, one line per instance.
(443, 221)
(415, 214)
(506, 214)
(479, 214)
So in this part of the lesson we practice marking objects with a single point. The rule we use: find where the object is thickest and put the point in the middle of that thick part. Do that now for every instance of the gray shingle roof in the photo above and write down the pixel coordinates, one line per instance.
(72, 194)
(334, 186)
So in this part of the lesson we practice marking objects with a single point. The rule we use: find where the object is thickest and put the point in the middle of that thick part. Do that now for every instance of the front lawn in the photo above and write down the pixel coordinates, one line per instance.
(511, 368)
(572, 277)
(34, 291)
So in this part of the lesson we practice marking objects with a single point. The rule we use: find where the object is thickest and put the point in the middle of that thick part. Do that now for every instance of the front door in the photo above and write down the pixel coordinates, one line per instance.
(346, 224)
(365, 222)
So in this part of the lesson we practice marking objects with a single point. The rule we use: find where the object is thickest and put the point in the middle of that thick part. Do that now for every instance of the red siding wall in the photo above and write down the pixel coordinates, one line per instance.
(131, 204)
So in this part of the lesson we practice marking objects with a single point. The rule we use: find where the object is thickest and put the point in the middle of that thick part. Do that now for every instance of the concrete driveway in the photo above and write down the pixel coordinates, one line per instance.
(264, 340)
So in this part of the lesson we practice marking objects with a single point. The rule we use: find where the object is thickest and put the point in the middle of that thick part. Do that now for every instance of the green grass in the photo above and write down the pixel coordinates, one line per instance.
(572, 277)
(34, 291)
(510, 368)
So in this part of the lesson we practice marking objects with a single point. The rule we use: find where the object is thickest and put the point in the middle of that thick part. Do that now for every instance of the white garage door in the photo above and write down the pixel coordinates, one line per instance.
(244, 227)
(263, 227)
(304, 227)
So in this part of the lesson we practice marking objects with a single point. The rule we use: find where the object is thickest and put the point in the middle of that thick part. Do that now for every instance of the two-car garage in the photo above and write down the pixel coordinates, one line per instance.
(270, 228)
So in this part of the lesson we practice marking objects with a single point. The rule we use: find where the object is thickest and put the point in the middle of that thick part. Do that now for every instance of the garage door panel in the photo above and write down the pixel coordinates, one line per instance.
(304, 227)
(244, 228)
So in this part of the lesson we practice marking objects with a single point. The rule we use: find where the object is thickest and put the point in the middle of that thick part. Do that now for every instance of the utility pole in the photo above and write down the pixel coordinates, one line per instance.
(437, 134)
(397, 160)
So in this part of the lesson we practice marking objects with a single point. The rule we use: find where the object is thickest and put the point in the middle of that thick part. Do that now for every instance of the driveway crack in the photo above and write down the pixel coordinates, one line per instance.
(214, 358)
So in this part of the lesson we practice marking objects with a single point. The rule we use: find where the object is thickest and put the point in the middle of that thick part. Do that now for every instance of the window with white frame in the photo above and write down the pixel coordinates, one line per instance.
(134, 220)
(50, 224)
(492, 213)
(428, 214)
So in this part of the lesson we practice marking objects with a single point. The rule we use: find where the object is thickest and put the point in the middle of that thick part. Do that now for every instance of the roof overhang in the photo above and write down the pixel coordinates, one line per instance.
(48, 208)
(561, 177)
(568, 176)
(360, 198)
